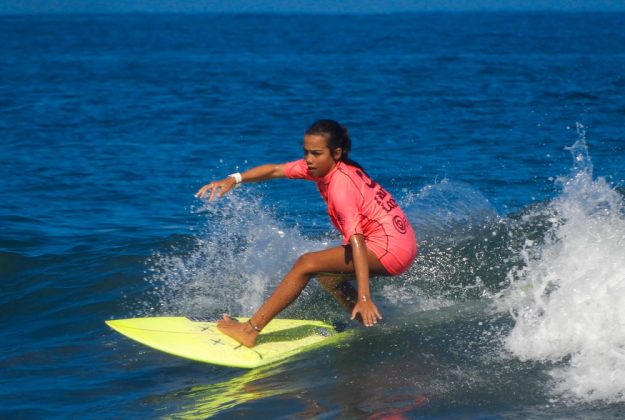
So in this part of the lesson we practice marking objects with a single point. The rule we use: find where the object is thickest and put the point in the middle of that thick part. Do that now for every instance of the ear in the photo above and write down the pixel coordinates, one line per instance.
(337, 153)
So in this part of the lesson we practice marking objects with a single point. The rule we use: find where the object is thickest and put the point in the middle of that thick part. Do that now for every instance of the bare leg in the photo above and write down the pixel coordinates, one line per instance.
(333, 260)
(340, 288)
(286, 292)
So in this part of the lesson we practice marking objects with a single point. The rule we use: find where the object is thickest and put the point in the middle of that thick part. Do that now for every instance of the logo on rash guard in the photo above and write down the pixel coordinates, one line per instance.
(400, 224)
(368, 181)
(382, 197)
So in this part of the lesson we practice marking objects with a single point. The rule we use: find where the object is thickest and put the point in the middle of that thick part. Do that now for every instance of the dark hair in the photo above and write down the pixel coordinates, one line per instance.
(336, 136)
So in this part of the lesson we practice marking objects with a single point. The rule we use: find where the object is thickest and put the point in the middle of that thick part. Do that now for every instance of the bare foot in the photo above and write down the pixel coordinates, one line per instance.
(240, 331)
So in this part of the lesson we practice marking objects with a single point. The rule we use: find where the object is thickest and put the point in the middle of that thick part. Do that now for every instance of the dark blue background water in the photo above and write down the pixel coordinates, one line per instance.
(109, 124)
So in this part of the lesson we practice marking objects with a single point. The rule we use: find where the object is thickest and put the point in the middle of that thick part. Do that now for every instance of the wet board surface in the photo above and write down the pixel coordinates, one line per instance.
(203, 342)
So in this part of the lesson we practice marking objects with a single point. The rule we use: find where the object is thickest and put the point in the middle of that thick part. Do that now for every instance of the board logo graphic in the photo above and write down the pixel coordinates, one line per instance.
(401, 224)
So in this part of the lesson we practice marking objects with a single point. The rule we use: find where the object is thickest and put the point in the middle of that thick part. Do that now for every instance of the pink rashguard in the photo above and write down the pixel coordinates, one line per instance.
(359, 205)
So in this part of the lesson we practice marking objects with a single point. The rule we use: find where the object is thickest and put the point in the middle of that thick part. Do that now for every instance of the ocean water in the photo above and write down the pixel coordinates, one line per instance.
(501, 135)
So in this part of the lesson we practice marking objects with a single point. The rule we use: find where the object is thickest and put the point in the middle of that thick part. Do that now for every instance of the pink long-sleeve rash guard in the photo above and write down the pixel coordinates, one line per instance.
(359, 205)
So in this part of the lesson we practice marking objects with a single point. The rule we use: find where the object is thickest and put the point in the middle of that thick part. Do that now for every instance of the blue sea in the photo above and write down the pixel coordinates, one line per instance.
(502, 135)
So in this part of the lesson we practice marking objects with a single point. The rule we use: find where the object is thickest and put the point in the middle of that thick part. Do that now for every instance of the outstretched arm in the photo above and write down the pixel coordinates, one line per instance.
(259, 173)
(364, 305)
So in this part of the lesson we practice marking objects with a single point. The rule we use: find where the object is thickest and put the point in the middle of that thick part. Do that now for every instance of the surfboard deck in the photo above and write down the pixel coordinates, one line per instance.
(203, 342)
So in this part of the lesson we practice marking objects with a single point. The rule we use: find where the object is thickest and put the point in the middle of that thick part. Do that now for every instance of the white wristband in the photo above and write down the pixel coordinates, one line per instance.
(237, 177)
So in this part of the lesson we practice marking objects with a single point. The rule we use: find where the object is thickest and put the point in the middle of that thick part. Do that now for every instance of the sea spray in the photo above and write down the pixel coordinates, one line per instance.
(446, 206)
(567, 298)
(243, 249)
(240, 254)
(460, 245)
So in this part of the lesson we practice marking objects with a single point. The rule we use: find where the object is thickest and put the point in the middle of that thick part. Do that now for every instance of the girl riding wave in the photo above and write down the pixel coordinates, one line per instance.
(378, 240)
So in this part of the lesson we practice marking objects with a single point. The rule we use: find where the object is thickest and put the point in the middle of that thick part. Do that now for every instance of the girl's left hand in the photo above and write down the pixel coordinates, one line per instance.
(368, 312)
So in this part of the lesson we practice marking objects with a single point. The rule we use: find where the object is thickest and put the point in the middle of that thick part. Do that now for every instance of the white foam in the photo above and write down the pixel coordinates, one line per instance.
(568, 299)
(241, 254)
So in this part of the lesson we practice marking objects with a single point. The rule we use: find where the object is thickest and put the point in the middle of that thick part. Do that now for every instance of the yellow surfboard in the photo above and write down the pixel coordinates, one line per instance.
(203, 342)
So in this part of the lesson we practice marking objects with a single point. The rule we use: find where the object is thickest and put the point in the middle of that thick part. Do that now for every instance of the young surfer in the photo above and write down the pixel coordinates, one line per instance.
(377, 237)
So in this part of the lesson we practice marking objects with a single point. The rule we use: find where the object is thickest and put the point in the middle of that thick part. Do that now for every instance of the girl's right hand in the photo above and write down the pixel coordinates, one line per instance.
(368, 313)
(216, 187)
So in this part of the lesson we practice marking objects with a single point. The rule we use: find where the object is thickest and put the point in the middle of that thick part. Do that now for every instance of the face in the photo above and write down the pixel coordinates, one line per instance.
(319, 158)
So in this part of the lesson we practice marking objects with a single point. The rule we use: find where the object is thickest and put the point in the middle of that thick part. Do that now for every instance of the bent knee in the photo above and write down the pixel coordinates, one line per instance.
(307, 264)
